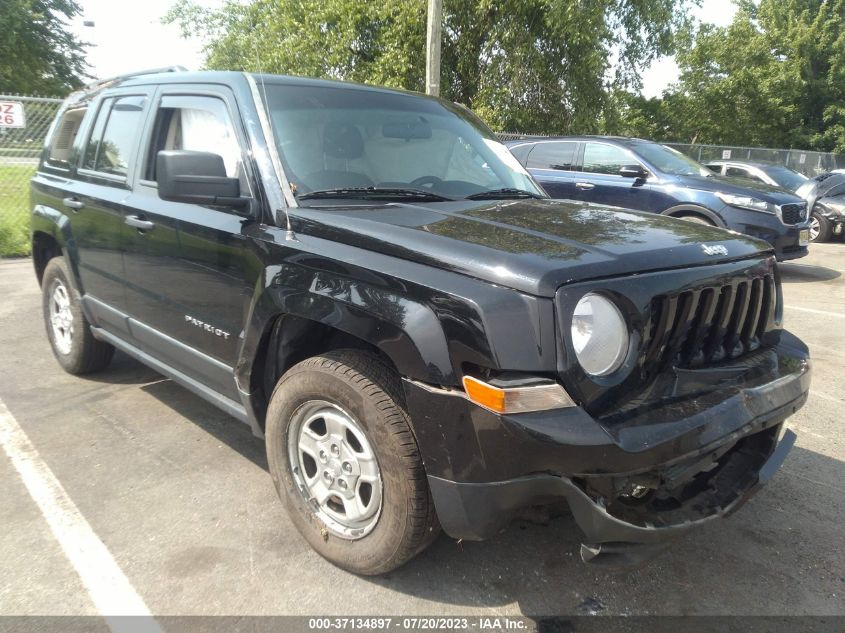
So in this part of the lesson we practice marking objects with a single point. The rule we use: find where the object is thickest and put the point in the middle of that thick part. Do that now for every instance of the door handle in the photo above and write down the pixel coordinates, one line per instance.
(138, 223)
(73, 203)
(585, 186)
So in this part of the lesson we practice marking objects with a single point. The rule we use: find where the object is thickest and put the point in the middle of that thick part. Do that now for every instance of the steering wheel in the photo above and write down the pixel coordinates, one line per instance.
(426, 180)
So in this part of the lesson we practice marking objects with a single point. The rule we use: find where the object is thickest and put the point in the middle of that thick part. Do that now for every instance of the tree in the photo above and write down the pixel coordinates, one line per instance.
(526, 65)
(775, 77)
(38, 55)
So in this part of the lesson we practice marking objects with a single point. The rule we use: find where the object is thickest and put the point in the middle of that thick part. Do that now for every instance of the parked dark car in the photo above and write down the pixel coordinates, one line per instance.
(370, 281)
(646, 176)
(766, 173)
(825, 196)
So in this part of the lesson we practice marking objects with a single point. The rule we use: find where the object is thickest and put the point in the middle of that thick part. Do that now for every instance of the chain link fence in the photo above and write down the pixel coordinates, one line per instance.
(804, 161)
(22, 135)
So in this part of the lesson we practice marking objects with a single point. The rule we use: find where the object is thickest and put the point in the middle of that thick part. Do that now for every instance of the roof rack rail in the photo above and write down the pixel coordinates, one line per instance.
(152, 71)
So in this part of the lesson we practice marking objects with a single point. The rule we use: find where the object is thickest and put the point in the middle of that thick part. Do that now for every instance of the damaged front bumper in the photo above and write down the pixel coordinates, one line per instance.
(632, 481)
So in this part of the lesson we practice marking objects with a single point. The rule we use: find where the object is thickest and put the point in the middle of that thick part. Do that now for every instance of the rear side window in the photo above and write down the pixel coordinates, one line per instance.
(558, 155)
(64, 137)
(606, 159)
(114, 135)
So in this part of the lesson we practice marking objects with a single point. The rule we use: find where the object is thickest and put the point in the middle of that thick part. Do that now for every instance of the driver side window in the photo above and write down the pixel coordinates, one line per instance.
(606, 159)
(197, 123)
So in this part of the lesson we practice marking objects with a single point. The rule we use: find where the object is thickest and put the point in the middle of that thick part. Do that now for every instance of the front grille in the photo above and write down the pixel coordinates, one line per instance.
(708, 325)
(793, 213)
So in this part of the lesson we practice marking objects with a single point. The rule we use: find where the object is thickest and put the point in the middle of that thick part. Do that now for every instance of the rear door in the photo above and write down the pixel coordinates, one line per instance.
(190, 270)
(102, 185)
(598, 178)
(551, 163)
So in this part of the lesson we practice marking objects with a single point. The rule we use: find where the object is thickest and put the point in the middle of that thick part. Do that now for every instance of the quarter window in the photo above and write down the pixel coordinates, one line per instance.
(114, 135)
(606, 159)
(558, 155)
(64, 138)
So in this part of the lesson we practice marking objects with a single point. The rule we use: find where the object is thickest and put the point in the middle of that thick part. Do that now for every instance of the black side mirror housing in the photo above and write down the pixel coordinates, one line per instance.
(197, 178)
(633, 171)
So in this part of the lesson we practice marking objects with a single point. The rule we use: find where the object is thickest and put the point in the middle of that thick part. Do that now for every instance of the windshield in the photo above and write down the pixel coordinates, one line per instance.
(670, 161)
(343, 141)
(786, 178)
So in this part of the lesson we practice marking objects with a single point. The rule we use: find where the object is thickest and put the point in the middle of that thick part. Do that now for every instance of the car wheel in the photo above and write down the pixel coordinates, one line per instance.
(820, 228)
(697, 219)
(68, 331)
(345, 462)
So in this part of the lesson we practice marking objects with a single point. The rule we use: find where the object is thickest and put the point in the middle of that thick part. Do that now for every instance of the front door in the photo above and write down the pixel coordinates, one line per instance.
(191, 270)
(599, 181)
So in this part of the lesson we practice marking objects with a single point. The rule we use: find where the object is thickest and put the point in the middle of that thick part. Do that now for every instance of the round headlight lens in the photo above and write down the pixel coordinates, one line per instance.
(599, 335)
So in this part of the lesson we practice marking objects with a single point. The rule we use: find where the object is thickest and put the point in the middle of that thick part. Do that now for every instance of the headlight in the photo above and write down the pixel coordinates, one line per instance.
(599, 335)
(746, 202)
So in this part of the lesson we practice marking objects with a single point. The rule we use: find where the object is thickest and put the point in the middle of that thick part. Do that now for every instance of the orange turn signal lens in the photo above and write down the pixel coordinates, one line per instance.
(516, 399)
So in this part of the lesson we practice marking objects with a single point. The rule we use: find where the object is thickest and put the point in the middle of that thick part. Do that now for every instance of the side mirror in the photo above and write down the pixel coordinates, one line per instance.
(633, 171)
(196, 178)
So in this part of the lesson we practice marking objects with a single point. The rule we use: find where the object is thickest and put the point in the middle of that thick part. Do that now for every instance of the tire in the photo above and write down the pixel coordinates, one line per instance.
(73, 345)
(344, 386)
(695, 218)
(820, 228)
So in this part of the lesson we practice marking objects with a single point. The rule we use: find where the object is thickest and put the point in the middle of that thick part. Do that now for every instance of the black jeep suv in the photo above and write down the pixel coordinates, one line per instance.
(372, 283)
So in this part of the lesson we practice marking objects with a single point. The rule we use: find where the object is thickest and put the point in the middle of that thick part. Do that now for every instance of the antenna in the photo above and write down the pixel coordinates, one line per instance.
(290, 236)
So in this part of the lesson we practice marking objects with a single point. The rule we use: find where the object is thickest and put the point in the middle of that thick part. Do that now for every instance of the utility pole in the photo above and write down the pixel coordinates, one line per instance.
(432, 47)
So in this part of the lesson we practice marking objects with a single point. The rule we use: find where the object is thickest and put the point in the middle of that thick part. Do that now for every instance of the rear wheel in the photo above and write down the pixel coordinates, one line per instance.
(346, 465)
(820, 228)
(69, 332)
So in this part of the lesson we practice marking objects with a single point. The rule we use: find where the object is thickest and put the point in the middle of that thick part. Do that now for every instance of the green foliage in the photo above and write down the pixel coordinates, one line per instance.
(38, 55)
(530, 65)
(14, 209)
(775, 77)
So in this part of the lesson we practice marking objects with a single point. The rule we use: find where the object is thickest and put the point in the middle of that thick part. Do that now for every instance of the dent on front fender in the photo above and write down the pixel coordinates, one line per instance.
(429, 322)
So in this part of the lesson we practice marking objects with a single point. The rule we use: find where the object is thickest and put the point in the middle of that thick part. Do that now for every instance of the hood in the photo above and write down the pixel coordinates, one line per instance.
(533, 246)
(739, 187)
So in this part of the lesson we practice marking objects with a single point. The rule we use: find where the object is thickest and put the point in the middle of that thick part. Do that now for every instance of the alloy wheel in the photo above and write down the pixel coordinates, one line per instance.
(61, 317)
(815, 228)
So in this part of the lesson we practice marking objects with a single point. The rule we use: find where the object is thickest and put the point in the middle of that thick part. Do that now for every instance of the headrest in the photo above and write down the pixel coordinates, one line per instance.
(342, 140)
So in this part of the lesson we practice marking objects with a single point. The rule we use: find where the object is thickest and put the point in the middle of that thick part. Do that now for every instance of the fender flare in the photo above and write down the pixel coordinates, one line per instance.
(407, 331)
(688, 208)
(56, 224)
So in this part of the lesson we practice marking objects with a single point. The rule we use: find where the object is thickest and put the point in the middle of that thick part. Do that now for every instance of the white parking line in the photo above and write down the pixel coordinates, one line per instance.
(110, 590)
(838, 315)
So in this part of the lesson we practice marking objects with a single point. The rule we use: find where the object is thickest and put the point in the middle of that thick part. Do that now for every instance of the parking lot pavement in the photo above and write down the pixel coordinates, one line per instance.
(179, 495)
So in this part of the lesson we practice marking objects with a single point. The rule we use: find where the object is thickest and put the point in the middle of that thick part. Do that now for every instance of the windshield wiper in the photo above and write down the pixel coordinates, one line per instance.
(374, 193)
(505, 192)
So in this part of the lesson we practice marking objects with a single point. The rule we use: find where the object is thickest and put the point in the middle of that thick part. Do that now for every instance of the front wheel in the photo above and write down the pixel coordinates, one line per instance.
(346, 465)
(69, 332)
(820, 228)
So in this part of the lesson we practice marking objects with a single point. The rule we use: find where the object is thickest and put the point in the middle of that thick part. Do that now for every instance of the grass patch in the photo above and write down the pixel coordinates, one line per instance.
(14, 209)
